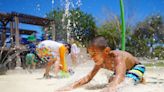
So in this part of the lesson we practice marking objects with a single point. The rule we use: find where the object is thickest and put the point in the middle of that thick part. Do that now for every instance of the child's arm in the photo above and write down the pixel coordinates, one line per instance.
(120, 70)
(84, 80)
(87, 78)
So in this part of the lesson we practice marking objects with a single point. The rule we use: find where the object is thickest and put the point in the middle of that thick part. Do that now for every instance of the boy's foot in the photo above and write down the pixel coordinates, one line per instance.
(71, 72)
(47, 76)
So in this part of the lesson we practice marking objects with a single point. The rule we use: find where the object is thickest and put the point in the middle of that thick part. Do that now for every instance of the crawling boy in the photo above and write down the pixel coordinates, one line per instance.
(122, 63)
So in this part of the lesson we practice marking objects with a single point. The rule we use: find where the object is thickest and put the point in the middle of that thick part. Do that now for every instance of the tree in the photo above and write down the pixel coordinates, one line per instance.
(146, 35)
(111, 32)
(159, 52)
(57, 16)
(82, 26)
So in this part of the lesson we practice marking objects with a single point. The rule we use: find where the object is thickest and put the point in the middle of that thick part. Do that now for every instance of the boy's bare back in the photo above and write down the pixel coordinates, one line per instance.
(126, 57)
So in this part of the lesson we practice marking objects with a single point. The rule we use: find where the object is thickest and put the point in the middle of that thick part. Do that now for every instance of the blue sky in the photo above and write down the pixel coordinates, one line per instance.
(135, 10)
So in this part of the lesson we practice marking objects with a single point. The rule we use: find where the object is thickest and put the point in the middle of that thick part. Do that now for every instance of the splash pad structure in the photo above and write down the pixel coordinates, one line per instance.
(16, 47)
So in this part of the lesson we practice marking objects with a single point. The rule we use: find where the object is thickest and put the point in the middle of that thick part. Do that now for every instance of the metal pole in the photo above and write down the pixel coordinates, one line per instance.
(17, 31)
(123, 25)
(11, 34)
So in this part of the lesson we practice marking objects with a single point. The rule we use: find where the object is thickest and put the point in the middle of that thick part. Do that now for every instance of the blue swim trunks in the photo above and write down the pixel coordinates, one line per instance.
(136, 72)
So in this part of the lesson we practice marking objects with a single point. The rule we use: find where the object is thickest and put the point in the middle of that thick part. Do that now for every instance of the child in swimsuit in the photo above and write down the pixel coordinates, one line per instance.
(53, 52)
(122, 63)
(74, 53)
(31, 61)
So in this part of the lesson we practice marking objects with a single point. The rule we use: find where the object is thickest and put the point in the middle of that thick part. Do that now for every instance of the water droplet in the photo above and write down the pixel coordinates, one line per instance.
(53, 2)
(38, 7)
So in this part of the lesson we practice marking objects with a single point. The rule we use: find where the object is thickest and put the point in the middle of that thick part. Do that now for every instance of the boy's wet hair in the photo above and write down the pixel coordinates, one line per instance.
(99, 42)
(69, 47)
(66, 45)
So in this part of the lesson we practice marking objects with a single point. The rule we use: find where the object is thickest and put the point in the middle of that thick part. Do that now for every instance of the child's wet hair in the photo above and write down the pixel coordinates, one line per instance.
(69, 47)
(99, 42)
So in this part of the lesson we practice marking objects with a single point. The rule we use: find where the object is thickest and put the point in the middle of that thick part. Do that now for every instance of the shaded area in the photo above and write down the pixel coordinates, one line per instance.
(95, 87)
